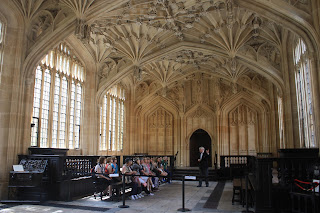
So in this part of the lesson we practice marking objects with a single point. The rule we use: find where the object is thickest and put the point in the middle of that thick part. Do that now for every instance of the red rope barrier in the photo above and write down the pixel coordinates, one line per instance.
(316, 184)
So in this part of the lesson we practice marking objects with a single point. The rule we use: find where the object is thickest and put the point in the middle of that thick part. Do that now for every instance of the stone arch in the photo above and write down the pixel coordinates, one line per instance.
(242, 129)
(106, 84)
(160, 130)
(142, 120)
(199, 138)
(151, 103)
(199, 111)
(248, 132)
(46, 44)
(266, 70)
(198, 117)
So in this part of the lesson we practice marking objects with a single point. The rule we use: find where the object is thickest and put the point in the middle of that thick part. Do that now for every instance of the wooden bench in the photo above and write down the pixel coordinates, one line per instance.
(117, 188)
(116, 191)
(237, 190)
(250, 195)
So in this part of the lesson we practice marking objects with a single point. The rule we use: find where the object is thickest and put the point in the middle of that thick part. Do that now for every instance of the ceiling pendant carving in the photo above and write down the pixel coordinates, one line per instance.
(189, 57)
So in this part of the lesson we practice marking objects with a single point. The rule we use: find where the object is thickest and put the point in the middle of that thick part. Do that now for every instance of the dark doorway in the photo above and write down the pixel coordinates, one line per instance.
(199, 138)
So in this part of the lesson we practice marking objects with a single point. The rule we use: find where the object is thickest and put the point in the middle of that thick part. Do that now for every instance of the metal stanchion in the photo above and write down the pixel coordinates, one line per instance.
(183, 209)
(247, 205)
(123, 193)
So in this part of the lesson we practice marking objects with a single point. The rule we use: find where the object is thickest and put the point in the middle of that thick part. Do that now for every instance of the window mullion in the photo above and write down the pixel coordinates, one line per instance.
(304, 103)
(114, 113)
(74, 113)
(104, 120)
(68, 112)
(119, 125)
(102, 134)
(59, 112)
(109, 120)
(51, 102)
(40, 109)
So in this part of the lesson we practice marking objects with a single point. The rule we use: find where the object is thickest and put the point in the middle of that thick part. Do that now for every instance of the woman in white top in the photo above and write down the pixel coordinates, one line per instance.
(99, 172)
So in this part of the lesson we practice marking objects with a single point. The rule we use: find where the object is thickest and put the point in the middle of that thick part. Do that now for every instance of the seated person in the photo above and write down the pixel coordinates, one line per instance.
(146, 171)
(109, 170)
(115, 165)
(158, 171)
(165, 167)
(99, 172)
(160, 167)
(142, 185)
(129, 180)
(115, 169)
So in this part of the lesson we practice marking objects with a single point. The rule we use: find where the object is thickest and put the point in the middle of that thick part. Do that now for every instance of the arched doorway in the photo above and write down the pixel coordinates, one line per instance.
(199, 138)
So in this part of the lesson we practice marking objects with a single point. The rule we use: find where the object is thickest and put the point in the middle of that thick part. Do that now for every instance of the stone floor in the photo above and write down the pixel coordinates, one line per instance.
(168, 199)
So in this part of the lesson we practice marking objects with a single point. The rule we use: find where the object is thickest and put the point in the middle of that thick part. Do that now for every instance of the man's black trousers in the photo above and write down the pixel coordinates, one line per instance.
(203, 173)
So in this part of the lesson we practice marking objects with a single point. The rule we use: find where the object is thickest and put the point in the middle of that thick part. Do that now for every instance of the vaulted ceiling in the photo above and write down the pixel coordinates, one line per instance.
(165, 41)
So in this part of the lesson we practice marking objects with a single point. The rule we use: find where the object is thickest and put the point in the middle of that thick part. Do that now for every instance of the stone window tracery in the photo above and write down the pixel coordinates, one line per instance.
(112, 119)
(57, 100)
(304, 94)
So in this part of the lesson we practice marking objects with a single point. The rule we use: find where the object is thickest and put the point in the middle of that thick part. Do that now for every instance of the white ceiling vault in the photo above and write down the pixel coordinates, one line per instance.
(164, 41)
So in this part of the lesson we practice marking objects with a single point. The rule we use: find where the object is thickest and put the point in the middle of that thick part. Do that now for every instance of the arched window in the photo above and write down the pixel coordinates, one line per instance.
(57, 100)
(2, 33)
(112, 119)
(304, 94)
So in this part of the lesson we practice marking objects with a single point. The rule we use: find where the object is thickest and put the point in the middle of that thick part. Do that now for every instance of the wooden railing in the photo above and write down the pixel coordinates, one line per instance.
(80, 166)
(272, 178)
(67, 177)
(237, 161)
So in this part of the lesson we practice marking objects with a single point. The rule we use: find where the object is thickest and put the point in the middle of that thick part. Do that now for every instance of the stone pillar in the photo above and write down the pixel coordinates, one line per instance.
(273, 114)
(90, 114)
(11, 97)
(287, 95)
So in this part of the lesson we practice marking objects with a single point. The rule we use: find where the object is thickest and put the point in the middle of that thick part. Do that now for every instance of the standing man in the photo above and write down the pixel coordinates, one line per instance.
(203, 165)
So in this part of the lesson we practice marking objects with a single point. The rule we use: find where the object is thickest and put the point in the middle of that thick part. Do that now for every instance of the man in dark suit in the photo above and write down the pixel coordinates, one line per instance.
(203, 165)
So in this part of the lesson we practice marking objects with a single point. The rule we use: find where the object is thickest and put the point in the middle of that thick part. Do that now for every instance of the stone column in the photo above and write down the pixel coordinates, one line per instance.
(288, 96)
(90, 114)
(11, 102)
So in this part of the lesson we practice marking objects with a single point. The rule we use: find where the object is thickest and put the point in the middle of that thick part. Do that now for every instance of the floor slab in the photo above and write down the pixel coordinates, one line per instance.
(167, 200)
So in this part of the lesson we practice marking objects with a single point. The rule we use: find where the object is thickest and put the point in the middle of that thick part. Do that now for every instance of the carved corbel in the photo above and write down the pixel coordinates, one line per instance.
(82, 31)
